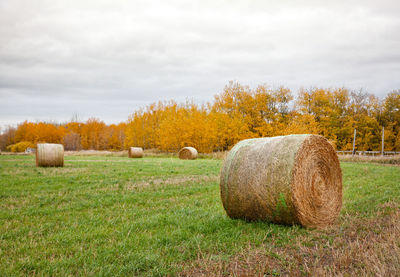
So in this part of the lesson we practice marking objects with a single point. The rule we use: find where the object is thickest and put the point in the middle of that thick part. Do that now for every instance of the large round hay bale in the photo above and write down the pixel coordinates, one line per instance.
(187, 153)
(49, 154)
(292, 179)
(135, 152)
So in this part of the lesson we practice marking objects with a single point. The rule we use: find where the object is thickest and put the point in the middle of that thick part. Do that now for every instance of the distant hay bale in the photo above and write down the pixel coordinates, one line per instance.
(187, 153)
(135, 152)
(292, 179)
(49, 154)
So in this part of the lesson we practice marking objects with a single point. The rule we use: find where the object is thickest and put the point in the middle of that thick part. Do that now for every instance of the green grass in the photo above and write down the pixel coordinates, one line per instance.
(113, 216)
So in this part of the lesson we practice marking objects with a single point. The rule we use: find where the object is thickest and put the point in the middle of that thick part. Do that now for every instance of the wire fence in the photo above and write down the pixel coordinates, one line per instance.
(369, 153)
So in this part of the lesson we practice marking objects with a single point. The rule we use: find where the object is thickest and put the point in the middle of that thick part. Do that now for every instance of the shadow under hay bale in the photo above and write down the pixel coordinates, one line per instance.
(188, 153)
(135, 152)
(292, 179)
(49, 154)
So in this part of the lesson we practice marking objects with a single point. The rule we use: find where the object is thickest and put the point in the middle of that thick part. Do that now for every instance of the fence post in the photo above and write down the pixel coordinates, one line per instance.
(354, 142)
(383, 141)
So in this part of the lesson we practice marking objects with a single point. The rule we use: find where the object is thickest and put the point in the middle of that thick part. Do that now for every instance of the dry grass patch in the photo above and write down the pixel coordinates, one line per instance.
(394, 160)
(15, 160)
(153, 181)
(55, 171)
(357, 247)
(214, 155)
(96, 153)
(181, 180)
(124, 153)
(13, 203)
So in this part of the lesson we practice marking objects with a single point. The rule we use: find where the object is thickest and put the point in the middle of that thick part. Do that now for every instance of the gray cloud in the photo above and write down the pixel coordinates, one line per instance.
(107, 58)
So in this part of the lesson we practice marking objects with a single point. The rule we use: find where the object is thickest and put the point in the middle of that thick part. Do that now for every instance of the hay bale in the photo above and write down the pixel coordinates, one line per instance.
(292, 179)
(49, 154)
(187, 153)
(135, 152)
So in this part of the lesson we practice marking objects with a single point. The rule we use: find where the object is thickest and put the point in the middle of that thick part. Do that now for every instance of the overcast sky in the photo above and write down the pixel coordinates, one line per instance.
(105, 59)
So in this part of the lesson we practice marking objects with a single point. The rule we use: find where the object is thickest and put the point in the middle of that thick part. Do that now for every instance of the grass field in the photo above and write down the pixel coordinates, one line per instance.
(114, 216)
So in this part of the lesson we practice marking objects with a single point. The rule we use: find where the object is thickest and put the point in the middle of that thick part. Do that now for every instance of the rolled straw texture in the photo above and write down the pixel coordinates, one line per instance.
(135, 152)
(187, 153)
(292, 179)
(49, 154)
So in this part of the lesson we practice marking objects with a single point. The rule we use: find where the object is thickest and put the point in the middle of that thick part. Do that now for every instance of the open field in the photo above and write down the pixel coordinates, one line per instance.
(114, 216)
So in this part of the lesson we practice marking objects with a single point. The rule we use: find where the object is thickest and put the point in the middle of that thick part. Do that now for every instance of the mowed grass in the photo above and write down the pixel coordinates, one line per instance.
(114, 216)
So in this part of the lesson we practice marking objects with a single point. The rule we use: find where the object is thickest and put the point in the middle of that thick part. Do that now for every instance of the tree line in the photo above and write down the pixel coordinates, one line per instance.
(238, 112)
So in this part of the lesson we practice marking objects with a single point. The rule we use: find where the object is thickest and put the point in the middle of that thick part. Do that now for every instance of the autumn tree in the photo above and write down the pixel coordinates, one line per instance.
(7, 137)
(186, 125)
(391, 120)
(363, 114)
(93, 135)
(72, 137)
(116, 136)
(39, 132)
(236, 120)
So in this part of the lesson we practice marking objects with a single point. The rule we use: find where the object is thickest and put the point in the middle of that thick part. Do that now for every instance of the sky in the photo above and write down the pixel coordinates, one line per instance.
(106, 59)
